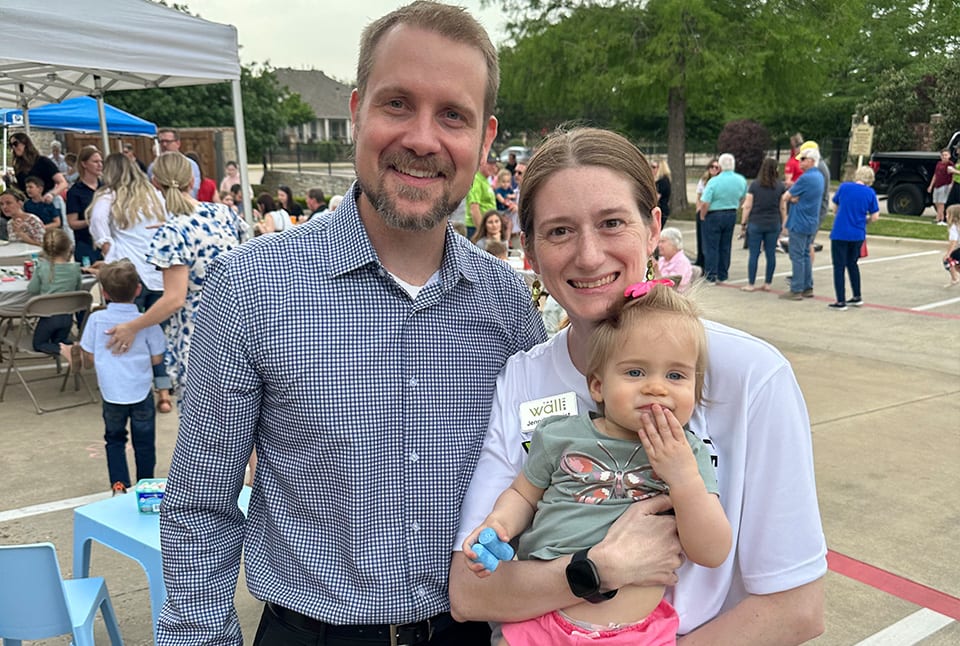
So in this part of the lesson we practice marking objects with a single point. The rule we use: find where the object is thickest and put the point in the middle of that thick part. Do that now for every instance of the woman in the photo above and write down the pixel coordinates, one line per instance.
(590, 222)
(270, 218)
(762, 222)
(672, 261)
(21, 226)
(287, 203)
(711, 171)
(194, 234)
(232, 177)
(661, 172)
(28, 162)
(79, 198)
(124, 216)
(492, 227)
(856, 205)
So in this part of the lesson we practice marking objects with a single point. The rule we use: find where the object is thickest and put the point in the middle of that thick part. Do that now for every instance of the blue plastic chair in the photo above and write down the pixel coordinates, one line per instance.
(37, 603)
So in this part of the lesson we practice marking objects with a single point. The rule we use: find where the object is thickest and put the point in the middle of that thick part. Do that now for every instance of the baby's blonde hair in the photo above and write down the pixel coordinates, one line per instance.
(662, 301)
(953, 214)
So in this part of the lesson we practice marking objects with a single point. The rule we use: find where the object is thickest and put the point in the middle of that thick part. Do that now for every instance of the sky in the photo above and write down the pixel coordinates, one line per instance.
(306, 34)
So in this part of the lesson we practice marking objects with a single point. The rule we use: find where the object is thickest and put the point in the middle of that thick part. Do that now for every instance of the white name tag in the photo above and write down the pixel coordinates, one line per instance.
(534, 412)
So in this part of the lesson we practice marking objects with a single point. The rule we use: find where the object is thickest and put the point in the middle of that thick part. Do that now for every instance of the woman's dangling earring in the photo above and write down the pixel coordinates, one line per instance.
(650, 273)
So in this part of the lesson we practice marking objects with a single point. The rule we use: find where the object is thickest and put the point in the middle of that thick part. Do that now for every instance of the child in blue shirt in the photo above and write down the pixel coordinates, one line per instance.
(126, 380)
(49, 214)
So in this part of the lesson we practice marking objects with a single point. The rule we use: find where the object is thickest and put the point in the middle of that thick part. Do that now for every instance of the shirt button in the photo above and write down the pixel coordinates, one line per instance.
(415, 526)
(413, 457)
(413, 382)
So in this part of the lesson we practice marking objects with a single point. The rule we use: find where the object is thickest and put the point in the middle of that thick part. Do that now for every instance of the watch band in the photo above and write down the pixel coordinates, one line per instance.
(594, 596)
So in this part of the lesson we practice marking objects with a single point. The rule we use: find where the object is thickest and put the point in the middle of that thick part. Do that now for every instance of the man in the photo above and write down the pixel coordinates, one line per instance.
(316, 202)
(56, 156)
(131, 154)
(803, 200)
(718, 213)
(481, 197)
(169, 140)
(364, 378)
(824, 197)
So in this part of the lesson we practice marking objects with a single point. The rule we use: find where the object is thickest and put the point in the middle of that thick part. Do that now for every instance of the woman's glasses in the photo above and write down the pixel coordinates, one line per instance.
(714, 167)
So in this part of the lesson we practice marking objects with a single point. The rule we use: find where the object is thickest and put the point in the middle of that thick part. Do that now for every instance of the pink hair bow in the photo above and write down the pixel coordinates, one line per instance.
(637, 290)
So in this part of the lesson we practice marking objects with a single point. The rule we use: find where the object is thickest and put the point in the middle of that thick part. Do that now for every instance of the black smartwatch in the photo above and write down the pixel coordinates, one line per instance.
(584, 581)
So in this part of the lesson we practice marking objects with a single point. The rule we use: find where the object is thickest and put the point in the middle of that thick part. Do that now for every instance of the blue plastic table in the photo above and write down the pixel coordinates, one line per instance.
(117, 523)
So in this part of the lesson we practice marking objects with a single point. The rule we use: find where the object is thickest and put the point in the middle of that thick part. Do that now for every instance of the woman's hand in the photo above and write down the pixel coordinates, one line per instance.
(121, 336)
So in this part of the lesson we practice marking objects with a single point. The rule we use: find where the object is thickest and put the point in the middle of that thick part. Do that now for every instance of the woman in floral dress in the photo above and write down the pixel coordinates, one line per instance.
(194, 234)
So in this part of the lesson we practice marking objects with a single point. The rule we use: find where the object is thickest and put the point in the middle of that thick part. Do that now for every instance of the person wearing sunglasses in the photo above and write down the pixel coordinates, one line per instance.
(28, 162)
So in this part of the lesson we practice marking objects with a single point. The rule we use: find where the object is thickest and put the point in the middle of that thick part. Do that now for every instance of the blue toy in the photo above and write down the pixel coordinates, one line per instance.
(491, 550)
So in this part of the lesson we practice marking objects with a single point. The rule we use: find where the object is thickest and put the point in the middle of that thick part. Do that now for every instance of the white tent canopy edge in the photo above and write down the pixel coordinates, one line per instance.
(57, 49)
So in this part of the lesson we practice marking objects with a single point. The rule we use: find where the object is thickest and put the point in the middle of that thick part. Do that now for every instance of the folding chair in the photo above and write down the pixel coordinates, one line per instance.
(37, 603)
(20, 344)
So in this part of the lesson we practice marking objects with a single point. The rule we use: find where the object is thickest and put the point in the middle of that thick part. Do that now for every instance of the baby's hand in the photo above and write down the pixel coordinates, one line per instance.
(667, 448)
(485, 549)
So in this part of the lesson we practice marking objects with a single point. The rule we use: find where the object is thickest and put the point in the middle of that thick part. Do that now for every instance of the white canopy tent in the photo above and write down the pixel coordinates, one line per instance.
(56, 49)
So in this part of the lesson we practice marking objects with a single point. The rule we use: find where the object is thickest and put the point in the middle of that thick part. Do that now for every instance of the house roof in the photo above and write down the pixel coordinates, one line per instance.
(328, 98)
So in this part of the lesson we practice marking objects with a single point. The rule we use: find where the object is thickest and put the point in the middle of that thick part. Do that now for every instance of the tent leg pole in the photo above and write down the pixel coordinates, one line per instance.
(101, 112)
(242, 149)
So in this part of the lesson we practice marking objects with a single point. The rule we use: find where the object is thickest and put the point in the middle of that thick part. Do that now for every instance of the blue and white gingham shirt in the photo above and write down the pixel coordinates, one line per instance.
(367, 409)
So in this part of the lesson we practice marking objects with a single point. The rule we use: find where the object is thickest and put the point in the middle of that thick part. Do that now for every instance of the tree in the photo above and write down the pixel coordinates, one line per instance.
(267, 107)
(748, 142)
(623, 64)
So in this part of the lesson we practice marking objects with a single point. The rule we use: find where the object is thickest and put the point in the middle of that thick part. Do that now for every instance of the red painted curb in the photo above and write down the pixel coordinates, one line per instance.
(895, 585)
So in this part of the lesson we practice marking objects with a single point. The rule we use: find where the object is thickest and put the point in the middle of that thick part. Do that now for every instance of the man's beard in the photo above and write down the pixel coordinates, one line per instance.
(386, 204)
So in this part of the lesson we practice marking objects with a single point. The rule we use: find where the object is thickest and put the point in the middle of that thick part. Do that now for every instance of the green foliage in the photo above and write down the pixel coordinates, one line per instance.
(748, 142)
(894, 105)
(947, 100)
(267, 107)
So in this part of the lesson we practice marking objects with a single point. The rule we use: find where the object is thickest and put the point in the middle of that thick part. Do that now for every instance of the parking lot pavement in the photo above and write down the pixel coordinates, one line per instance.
(881, 383)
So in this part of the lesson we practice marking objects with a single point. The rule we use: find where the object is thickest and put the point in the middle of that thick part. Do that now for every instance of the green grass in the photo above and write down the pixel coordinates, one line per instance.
(894, 226)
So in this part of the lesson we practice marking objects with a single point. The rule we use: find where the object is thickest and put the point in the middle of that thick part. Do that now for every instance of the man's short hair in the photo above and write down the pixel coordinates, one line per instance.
(450, 22)
(33, 179)
(727, 161)
(176, 135)
(236, 188)
(120, 280)
(317, 194)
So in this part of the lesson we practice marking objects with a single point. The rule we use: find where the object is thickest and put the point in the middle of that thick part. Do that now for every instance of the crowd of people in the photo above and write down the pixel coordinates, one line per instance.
(420, 358)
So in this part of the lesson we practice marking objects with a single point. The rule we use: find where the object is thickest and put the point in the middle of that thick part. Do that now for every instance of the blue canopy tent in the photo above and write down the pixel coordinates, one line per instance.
(79, 114)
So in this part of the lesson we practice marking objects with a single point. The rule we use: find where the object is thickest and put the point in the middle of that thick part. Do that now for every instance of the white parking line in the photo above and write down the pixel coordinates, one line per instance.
(912, 629)
(930, 306)
(47, 507)
(867, 261)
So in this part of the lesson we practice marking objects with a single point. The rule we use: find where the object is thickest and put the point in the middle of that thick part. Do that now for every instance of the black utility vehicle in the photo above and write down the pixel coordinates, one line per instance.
(904, 177)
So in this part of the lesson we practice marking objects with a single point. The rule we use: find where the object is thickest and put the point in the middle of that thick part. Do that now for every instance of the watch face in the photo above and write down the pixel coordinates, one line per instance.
(582, 578)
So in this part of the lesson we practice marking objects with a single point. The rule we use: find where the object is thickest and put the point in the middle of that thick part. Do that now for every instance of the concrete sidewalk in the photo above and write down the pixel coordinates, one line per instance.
(881, 383)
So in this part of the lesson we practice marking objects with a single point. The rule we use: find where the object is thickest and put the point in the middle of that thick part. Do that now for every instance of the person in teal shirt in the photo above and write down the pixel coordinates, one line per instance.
(718, 211)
